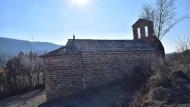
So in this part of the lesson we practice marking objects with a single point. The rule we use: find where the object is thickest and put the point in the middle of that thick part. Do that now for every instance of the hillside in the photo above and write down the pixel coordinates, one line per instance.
(11, 47)
(169, 84)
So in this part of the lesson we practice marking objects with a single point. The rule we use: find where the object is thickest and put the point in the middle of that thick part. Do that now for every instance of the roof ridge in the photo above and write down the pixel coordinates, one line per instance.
(100, 45)
(106, 39)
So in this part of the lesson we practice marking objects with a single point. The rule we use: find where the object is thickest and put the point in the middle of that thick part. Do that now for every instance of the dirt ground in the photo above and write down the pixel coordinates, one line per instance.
(30, 99)
(114, 95)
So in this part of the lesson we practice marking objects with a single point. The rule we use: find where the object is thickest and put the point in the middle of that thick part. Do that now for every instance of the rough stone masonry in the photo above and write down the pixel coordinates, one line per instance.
(85, 63)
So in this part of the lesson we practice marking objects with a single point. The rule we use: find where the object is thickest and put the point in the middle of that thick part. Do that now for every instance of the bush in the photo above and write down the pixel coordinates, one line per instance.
(138, 76)
(23, 73)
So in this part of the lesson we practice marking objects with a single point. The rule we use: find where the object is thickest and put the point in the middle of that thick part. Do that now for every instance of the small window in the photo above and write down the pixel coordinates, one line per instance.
(139, 33)
(146, 31)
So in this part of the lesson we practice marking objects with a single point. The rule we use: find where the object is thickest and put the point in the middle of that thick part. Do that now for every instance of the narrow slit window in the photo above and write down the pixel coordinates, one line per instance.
(146, 31)
(139, 33)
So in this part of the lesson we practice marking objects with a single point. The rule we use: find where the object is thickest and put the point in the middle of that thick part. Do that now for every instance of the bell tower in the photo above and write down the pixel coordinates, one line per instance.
(143, 28)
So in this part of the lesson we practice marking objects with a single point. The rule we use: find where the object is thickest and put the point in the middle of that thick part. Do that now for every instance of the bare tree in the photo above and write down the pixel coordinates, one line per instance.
(183, 50)
(163, 15)
(2, 59)
(183, 44)
(181, 59)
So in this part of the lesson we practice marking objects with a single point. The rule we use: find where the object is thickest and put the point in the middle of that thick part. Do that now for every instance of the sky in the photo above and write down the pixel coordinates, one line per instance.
(56, 21)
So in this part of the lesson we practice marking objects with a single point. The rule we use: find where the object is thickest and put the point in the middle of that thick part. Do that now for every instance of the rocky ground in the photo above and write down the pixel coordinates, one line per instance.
(173, 91)
(30, 99)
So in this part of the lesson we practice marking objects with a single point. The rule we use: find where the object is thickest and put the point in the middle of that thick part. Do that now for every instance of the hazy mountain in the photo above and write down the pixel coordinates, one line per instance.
(12, 47)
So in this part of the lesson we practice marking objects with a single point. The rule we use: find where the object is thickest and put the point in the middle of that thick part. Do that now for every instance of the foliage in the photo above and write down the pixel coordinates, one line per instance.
(23, 72)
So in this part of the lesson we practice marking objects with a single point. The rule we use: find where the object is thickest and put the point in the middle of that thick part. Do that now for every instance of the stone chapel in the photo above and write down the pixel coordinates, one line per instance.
(87, 63)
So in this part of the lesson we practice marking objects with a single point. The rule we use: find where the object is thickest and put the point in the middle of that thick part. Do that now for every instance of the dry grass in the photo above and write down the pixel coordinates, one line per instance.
(164, 90)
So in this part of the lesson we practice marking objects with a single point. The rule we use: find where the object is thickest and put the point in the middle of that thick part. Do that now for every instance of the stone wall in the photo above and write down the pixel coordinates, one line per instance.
(104, 68)
(70, 74)
(63, 76)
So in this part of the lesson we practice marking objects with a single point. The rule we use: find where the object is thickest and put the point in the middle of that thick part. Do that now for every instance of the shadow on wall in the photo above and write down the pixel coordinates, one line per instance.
(138, 76)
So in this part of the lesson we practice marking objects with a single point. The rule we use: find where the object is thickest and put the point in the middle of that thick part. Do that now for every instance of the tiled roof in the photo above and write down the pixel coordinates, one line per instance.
(142, 21)
(74, 46)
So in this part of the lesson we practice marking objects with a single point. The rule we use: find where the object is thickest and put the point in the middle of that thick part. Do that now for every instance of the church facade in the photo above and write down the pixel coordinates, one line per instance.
(86, 63)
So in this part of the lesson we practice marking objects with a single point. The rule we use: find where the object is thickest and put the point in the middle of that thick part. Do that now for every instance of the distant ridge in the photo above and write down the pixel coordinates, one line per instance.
(11, 47)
